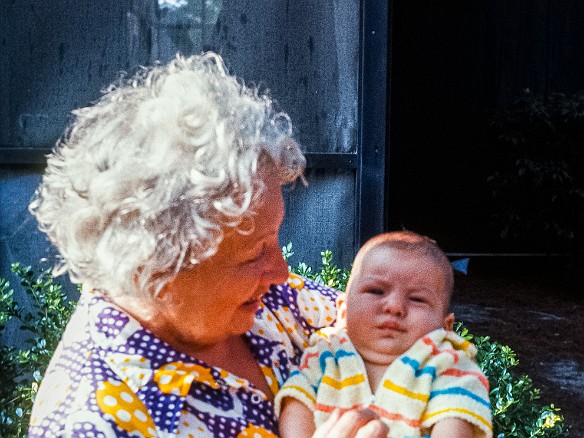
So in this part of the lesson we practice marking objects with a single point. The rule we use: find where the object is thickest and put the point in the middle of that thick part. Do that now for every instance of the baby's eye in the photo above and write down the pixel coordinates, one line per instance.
(418, 299)
(375, 291)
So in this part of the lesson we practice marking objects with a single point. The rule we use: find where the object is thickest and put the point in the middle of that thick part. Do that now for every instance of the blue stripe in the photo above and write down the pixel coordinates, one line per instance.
(294, 373)
(416, 365)
(328, 355)
(343, 353)
(322, 359)
(457, 390)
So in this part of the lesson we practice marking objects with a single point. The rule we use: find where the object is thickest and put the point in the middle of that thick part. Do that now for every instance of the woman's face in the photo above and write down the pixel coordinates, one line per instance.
(220, 296)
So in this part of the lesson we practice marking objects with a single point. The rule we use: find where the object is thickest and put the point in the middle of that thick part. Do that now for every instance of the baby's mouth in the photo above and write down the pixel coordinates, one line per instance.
(391, 325)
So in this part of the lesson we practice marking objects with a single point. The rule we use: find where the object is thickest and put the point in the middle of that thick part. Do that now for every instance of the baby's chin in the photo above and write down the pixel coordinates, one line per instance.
(381, 358)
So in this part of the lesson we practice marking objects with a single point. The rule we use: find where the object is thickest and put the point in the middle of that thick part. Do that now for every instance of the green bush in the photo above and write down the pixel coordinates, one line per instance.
(514, 400)
(328, 273)
(537, 181)
(23, 368)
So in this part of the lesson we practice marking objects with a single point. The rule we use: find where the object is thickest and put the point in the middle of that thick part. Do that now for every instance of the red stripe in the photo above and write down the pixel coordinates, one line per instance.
(459, 373)
(436, 352)
(395, 416)
(385, 414)
(306, 358)
(329, 409)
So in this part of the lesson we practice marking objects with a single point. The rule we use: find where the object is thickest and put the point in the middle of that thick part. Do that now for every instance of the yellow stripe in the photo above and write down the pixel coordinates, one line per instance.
(463, 411)
(303, 391)
(401, 390)
(465, 345)
(353, 380)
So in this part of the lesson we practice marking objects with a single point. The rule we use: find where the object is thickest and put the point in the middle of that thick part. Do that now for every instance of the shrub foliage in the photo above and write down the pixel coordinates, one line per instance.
(538, 182)
(23, 368)
(515, 402)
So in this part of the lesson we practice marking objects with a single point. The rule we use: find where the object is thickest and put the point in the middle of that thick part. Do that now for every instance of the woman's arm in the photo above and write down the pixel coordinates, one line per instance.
(452, 427)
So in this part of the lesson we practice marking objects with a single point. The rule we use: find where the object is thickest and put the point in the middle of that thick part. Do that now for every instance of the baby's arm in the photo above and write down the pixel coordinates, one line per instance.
(460, 404)
(452, 427)
(296, 420)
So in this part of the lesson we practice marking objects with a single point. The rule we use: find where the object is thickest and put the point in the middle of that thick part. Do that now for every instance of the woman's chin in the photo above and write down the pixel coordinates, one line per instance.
(243, 319)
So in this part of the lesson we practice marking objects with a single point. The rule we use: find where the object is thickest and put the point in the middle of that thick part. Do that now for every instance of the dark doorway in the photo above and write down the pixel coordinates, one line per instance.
(455, 64)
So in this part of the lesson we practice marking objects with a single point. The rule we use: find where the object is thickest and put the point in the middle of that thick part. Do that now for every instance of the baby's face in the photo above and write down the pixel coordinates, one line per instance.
(394, 298)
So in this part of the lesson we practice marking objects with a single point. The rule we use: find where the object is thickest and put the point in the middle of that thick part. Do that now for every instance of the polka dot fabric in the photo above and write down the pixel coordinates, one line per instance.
(110, 377)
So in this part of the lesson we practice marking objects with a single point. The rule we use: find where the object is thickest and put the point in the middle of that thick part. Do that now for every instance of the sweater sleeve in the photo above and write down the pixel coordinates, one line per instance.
(304, 379)
(460, 389)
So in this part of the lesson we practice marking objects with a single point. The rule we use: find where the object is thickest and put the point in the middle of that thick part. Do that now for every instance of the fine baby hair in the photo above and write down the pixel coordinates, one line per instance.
(411, 242)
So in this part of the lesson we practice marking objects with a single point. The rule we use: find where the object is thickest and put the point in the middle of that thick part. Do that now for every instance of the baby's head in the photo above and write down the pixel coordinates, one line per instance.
(399, 290)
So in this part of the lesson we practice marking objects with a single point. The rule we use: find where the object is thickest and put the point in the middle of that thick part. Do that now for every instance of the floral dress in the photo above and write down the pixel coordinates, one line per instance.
(110, 377)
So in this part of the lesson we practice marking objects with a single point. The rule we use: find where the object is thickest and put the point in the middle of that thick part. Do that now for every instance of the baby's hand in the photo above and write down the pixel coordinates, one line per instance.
(363, 423)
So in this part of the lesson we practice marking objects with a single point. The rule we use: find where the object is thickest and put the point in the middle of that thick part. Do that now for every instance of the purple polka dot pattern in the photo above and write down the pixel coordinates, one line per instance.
(111, 321)
(111, 377)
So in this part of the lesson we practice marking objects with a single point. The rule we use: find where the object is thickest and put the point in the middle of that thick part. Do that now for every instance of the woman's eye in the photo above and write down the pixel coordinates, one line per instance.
(258, 254)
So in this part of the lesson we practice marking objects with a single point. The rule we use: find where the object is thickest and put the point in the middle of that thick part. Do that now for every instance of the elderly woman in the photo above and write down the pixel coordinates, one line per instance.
(164, 200)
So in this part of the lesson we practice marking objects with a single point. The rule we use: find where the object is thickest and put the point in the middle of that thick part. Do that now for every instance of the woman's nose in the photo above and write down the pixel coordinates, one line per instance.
(276, 268)
(395, 303)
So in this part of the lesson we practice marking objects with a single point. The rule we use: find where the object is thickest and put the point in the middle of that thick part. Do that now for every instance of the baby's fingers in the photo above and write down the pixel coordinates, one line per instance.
(325, 429)
(363, 423)
(373, 429)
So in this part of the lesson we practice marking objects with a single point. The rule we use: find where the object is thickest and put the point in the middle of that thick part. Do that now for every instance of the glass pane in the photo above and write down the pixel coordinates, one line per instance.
(59, 53)
(55, 55)
(306, 52)
(321, 216)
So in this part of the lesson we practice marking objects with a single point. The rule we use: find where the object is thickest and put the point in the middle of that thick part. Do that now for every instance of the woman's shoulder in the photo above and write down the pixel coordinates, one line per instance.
(309, 303)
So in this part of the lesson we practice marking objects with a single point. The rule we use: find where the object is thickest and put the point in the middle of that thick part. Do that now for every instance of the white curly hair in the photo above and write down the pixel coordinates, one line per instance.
(144, 183)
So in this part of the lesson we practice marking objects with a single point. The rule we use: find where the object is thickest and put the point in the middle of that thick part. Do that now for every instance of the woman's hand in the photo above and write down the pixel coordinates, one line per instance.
(363, 423)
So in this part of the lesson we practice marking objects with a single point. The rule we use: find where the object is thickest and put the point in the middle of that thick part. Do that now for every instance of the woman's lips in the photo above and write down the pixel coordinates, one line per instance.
(252, 303)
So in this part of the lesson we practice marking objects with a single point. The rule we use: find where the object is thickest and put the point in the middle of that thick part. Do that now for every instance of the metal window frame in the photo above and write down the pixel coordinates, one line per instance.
(369, 160)
(10, 155)
(373, 119)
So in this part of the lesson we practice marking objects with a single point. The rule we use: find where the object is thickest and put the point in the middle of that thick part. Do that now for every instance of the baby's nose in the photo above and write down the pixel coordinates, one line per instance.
(395, 303)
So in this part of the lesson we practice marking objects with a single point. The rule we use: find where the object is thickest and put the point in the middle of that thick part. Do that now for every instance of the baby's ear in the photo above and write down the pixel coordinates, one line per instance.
(341, 310)
(449, 322)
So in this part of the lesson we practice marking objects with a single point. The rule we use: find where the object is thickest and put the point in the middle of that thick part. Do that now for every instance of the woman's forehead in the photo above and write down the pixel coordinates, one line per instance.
(264, 222)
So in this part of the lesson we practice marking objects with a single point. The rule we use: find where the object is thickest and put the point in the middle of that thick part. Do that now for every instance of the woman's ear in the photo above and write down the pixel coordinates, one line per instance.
(341, 310)
(449, 322)
(167, 293)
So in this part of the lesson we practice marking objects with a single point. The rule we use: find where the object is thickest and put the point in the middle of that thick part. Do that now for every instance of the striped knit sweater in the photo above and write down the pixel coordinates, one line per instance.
(436, 378)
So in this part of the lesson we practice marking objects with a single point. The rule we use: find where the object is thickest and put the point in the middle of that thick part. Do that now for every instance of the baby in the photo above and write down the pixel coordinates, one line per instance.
(392, 350)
